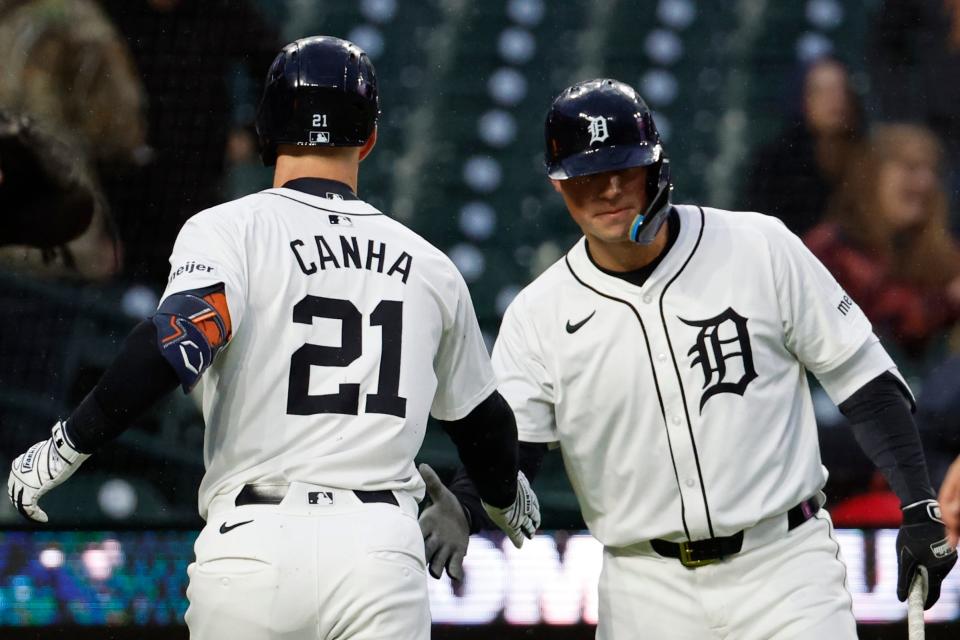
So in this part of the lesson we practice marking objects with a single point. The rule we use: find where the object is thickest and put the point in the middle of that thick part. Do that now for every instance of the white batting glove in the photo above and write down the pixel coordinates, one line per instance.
(44, 466)
(520, 519)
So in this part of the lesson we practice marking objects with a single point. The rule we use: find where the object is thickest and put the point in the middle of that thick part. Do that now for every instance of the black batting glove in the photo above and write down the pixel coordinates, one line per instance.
(446, 531)
(922, 544)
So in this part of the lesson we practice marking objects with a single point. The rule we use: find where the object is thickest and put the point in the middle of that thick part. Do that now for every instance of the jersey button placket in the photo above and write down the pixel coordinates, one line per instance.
(685, 460)
(684, 463)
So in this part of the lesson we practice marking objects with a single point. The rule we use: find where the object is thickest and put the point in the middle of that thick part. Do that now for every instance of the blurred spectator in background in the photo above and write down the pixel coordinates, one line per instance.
(793, 176)
(45, 200)
(887, 242)
(186, 51)
(950, 503)
(65, 67)
(914, 57)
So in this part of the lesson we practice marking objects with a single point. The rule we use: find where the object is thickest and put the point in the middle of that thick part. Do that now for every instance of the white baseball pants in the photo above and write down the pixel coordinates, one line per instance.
(296, 571)
(793, 586)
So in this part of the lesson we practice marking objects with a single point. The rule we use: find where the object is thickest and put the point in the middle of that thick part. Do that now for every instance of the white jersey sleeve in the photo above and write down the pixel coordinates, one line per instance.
(867, 363)
(462, 364)
(823, 326)
(523, 379)
(208, 251)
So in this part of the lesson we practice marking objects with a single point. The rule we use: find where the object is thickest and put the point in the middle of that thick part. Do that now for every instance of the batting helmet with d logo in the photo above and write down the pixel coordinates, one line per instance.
(604, 125)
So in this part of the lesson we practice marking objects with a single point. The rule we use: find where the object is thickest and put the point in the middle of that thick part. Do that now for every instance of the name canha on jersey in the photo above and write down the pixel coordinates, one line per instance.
(348, 330)
(654, 391)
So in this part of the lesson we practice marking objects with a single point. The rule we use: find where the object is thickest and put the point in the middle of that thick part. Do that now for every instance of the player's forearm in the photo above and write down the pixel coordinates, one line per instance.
(531, 456)
(883, 425)
(134, 381)
(486, 440)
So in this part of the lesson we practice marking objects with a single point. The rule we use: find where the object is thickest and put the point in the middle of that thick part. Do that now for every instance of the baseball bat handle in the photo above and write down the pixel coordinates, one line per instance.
(915, 608)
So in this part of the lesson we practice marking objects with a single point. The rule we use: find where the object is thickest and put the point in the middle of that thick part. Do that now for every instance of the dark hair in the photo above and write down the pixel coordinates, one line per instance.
(794, 96)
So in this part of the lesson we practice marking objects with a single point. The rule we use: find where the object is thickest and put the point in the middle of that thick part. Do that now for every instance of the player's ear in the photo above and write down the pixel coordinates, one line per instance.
(368, 145)
(556, 185)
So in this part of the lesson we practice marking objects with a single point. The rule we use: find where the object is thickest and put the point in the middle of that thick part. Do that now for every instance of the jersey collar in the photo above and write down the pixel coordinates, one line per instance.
(354, 207)
(639, 276)
(586, 271)
(322, 188)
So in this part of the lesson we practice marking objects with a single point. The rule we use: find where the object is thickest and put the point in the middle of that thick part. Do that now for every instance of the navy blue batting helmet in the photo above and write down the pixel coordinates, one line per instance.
(320, 92)
(604, 125)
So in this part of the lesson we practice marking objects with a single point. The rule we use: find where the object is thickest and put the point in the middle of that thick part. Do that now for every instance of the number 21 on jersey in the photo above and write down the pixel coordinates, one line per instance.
(388, 315)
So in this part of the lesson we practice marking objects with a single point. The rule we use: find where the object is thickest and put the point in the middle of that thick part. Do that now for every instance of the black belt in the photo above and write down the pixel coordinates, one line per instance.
(274, 494)
(703, 552)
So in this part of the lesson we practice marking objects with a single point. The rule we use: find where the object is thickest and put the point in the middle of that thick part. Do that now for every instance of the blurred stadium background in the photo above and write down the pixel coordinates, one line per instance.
(464, 88)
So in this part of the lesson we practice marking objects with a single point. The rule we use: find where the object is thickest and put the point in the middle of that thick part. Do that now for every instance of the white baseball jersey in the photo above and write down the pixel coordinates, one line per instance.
(348, 329)
(681, 406)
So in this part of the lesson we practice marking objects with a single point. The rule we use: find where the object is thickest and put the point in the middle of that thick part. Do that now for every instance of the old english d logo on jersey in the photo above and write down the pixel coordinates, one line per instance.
(598, 129)
(723, 342)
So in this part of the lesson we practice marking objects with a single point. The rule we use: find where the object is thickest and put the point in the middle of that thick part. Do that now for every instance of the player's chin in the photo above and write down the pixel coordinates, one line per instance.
(611, 231)
(615, 220)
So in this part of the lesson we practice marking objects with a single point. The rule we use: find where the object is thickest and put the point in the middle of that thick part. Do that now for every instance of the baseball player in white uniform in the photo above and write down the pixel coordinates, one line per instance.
(321, 334)
(666, 355)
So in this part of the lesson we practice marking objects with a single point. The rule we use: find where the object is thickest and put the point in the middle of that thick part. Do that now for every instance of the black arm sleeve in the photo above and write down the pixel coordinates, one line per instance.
(137, 378)
(486, 440)
(880, 413)
(531, 458)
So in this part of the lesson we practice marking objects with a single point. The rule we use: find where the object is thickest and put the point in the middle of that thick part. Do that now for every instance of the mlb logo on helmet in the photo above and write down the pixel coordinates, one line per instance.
(319, 137)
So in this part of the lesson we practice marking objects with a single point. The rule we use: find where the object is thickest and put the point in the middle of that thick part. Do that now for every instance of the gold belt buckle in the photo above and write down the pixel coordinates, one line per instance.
(687, 560)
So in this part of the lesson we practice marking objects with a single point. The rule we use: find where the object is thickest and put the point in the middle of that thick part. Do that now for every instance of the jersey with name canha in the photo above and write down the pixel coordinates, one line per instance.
(681, 406)
(348, 330)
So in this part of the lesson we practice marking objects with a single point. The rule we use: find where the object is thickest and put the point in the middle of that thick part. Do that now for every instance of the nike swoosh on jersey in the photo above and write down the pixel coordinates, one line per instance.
(573, 328)
(225, 529)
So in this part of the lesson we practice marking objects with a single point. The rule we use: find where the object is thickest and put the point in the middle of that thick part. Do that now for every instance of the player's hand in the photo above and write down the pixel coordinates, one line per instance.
(44, 466)
(950, 503)
(446, 532)
(520, 519)
(922, 547)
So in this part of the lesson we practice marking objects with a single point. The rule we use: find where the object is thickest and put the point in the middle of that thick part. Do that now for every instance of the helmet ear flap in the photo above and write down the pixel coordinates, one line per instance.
(654, 172)
(646, 225)
(662, 187)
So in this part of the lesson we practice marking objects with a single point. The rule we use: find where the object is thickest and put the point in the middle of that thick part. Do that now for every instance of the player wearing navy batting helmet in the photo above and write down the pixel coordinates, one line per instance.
(666, 357)
(604, 125)
(320, 334)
